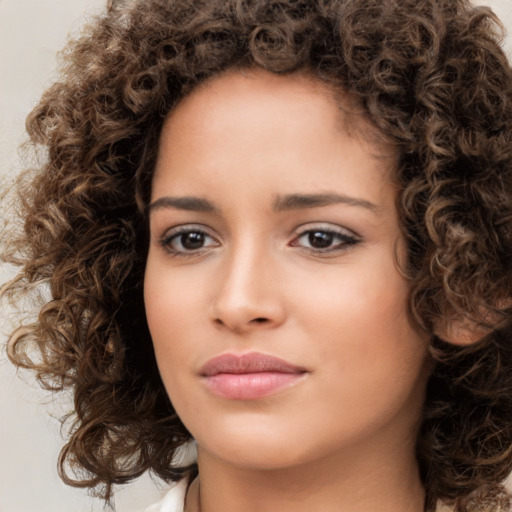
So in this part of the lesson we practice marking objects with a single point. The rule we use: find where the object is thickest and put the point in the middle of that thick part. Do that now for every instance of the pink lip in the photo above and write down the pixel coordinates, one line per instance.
(249, 376)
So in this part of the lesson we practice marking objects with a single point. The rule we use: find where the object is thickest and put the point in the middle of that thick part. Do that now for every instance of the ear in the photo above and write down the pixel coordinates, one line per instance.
(462, 332)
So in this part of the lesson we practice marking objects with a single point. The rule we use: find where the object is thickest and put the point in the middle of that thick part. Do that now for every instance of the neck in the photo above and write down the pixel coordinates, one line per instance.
(343, 482)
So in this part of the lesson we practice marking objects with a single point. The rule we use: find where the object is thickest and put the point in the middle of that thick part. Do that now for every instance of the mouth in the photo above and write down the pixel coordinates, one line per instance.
(249, 376)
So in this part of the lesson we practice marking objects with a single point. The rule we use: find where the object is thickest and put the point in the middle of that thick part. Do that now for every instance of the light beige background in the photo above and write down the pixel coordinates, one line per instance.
(31, 32)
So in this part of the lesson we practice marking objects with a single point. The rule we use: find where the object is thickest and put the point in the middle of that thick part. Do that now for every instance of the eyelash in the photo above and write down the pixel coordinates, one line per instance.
(175, 234)
(345, 240)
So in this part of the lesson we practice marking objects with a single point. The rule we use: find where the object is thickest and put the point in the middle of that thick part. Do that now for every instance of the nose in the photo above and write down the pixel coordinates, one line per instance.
(249, 295)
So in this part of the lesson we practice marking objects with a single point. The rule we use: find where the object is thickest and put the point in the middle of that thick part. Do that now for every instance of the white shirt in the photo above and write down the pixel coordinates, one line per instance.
(173, 501)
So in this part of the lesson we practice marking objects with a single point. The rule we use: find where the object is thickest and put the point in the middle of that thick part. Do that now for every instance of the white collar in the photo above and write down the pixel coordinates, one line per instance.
(173, 501)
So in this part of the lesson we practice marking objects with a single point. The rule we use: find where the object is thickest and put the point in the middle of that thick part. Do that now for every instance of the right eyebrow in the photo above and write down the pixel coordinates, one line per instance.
(305, 201)
(189, 203)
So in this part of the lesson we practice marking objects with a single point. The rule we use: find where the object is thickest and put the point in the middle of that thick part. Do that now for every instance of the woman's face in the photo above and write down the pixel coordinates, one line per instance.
(274, 301)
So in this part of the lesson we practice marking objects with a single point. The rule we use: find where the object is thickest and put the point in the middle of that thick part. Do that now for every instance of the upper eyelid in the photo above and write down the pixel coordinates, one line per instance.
(325, 226)
(344, 237)
(183, 228)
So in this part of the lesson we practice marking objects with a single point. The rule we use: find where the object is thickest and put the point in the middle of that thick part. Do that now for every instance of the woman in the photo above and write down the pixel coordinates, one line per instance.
(281, 229)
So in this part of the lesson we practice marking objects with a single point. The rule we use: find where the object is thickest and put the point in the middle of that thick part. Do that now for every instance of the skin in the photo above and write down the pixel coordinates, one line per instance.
(342, 437)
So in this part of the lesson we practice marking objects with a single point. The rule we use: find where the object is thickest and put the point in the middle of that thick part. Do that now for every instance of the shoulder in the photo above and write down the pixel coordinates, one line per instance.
(173, 501)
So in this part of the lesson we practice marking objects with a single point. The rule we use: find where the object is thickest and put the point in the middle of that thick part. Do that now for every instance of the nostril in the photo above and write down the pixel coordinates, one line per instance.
(240, 325)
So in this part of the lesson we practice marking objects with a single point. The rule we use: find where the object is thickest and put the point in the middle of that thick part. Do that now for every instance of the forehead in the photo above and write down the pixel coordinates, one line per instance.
(248, 90)
(245, 123)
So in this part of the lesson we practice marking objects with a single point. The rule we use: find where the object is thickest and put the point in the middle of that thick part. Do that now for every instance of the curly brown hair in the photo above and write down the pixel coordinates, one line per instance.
(432, 78)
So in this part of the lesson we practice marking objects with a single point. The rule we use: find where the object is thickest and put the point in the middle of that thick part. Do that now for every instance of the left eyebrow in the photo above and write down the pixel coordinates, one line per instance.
(189, 203)
(304, 201)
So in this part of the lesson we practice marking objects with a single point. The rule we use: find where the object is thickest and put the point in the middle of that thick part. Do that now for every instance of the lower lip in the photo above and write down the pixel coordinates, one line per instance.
(250, 386)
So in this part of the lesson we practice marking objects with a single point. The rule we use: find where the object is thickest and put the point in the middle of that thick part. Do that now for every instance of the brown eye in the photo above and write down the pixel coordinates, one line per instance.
(320, 239)
(324, 240)
(187, 240)
(191, 241)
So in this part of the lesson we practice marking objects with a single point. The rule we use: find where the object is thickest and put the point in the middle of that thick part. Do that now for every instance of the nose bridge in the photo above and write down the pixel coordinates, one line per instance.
(248, 291)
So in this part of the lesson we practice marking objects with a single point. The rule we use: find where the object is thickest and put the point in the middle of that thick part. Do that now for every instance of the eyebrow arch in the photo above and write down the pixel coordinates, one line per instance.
(189, 203)
(282, 203)
(304, 201)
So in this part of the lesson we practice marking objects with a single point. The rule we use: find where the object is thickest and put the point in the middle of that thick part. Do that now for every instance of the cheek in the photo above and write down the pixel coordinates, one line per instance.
(359, 323)
(372, 361)
(173, 298)
(354, 297)
(172, 305)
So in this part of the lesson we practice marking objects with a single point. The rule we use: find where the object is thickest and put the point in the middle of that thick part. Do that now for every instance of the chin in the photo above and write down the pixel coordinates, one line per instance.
(253, 446)
(256, 456)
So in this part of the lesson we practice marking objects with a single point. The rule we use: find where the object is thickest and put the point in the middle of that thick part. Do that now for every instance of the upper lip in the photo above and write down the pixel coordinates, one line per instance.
(252, 362)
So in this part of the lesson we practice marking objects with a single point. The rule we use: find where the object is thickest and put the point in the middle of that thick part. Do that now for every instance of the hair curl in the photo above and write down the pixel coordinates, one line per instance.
(430, 75)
